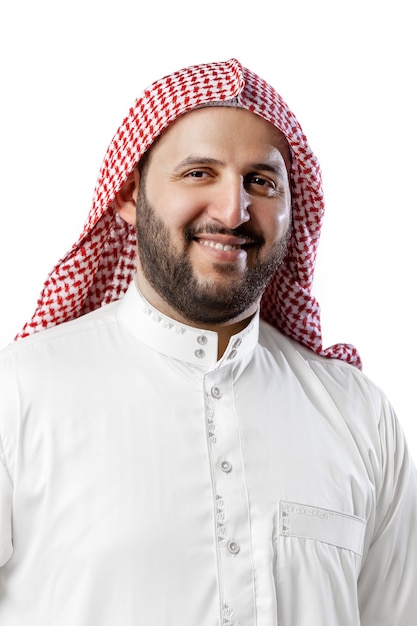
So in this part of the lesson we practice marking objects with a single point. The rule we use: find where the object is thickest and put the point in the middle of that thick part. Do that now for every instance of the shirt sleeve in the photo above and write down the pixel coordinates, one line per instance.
(388, 580)
(6, 497)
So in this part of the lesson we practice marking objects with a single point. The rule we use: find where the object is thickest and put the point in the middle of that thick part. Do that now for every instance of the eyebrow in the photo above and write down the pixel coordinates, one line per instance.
(194, 159)
(267, 167)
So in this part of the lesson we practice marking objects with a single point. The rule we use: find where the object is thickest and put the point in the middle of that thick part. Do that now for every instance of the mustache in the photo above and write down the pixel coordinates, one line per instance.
(242, 232)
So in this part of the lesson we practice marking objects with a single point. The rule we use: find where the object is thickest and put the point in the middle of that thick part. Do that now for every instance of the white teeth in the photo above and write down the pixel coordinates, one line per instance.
(219, 246)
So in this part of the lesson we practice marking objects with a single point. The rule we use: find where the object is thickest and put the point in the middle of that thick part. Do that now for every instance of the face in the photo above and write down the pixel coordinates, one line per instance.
(213, 215)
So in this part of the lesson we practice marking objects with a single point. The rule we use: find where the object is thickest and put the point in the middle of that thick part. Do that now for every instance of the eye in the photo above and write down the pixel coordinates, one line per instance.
(196, 174)
(258, 180)
(260, 184)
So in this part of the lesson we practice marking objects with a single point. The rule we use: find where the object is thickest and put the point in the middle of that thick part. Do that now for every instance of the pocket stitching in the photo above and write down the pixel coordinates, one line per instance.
(294, 514)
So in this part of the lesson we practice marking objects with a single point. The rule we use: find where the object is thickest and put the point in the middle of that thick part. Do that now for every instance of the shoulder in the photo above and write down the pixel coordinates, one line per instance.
(328, 380)
(343, 396)
(58, 339)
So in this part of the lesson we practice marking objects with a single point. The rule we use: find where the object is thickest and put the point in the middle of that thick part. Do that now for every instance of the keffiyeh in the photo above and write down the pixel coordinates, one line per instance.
(99, 267)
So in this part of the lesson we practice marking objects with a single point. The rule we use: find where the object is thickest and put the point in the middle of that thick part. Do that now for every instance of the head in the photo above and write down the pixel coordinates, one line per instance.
(211, 203)
(101, 264)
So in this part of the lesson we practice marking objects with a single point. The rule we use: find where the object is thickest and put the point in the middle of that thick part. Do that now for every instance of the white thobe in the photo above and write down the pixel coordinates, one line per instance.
(145, 483)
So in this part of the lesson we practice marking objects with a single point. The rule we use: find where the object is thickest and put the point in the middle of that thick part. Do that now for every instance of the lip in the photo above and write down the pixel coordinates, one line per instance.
(224, 248)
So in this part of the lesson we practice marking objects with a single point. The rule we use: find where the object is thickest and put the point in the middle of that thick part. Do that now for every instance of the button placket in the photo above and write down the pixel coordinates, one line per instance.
(231, 505)
(225, 467)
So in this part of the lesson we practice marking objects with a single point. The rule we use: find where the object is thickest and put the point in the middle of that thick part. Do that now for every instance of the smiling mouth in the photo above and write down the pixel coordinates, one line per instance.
(219, 246)
(230, 243)
(223, 240)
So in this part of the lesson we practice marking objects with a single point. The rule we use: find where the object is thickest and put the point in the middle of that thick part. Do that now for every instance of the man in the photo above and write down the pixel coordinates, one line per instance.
(184, 451)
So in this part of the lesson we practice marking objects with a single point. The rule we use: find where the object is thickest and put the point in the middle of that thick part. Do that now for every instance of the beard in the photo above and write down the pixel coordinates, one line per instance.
(197, 299)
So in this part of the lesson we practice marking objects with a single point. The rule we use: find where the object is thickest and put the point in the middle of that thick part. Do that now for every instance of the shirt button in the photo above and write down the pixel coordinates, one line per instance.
(233, 547)
(216, 392)
(232, 354)
(199, 354)
(202, 340)
(226, 467)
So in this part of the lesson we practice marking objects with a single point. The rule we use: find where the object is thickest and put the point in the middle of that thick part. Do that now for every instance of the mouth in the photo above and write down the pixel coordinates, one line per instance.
(225, 242)
(224, 246)
(218, 245)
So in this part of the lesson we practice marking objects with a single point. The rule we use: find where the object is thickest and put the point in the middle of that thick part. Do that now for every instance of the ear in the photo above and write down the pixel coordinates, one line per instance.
(126, 197)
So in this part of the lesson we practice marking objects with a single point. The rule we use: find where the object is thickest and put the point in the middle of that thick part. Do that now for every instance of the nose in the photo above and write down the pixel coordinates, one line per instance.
(230, 203)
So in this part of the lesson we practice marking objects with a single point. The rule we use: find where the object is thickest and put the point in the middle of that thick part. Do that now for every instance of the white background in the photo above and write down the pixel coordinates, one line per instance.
(70, 71)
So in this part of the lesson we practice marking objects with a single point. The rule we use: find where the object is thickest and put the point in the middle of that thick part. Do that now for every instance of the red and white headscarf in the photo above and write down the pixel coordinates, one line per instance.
(99, 267)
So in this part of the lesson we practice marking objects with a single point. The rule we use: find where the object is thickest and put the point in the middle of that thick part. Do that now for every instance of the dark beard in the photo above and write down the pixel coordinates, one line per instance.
(201, 301)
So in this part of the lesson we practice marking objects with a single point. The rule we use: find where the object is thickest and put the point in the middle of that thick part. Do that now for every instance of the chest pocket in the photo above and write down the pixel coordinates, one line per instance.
(317, 565)
(331, 527)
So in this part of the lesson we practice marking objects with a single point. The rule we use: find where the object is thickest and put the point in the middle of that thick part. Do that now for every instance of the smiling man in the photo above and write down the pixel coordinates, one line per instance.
(177, 448)
(212, 217)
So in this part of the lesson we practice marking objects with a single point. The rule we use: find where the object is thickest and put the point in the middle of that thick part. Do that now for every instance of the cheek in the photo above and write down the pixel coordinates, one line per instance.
(274, 222)
(175, 207)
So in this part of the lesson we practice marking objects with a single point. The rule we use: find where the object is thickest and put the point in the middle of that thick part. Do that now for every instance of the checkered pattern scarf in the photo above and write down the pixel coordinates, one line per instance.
(99, 267)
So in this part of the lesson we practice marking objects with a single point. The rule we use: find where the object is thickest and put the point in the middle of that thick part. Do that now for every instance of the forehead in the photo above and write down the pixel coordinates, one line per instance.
(222, 129)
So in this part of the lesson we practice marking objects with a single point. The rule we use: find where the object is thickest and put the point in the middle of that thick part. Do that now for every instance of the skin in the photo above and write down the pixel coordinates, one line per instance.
(212, 208)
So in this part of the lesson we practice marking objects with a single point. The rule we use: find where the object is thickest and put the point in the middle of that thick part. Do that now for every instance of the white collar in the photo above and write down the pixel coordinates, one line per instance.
(179, 341)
